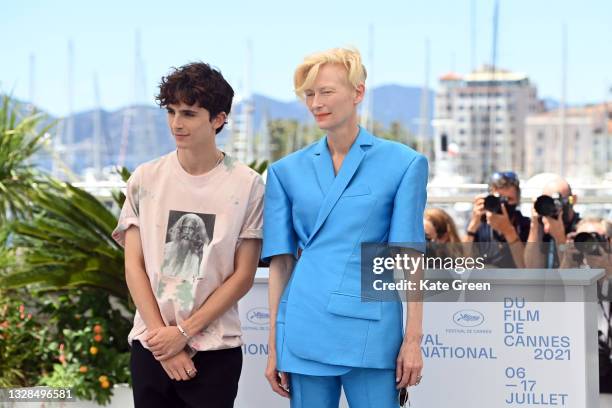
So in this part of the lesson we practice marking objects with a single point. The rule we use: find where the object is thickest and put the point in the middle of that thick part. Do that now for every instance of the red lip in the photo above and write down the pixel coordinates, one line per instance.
(319, 116)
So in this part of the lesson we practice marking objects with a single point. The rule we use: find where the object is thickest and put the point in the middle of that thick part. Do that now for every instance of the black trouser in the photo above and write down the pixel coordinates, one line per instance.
(605, 383)
(214, 386)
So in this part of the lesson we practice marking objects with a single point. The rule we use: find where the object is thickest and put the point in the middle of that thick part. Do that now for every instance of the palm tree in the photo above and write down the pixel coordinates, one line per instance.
(20, 137)
(59, 235)
(259, 166)
(67, 244)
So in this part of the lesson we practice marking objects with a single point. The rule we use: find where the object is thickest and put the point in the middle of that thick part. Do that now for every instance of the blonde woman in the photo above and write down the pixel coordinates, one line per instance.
(321, 203)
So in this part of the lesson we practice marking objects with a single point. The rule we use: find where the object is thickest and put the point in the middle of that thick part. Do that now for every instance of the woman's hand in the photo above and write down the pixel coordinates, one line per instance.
(278, 381)
(409, 362)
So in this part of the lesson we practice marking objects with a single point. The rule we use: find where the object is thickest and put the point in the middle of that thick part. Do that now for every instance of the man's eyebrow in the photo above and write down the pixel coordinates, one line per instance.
(187, 110)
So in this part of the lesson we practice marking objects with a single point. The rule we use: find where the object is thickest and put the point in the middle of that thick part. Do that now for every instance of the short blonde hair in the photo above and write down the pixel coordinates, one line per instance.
(307, 71)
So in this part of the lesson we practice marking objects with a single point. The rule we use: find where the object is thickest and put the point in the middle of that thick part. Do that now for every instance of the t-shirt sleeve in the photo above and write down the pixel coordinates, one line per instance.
(279, 235)
(408, 207)
(253, 222)
(130, 211)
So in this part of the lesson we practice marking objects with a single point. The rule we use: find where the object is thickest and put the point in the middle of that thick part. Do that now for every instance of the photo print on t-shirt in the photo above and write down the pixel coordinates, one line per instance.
(187, 239)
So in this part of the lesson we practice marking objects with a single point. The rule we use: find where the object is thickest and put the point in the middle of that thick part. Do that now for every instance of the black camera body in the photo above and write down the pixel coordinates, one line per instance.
(590, 243)
(493, 203)
(551, 206)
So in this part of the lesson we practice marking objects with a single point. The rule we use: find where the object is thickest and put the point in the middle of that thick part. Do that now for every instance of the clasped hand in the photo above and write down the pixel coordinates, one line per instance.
(165, 342)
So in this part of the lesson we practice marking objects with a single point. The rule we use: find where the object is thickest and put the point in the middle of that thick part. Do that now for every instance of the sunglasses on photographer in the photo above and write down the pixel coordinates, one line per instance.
(503, 177)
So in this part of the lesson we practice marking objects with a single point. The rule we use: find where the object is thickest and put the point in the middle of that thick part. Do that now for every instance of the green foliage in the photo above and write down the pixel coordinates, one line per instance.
(118, 195)
(287, 136)
(64, 304)
(71, 339)
(23, 355)
(88, 363)
(7, 256)
(67, 243)
(20, 138)
(62, 234)
(259, 166)
(63, 376)
(90, 342)
(78, 309)
(396, 132)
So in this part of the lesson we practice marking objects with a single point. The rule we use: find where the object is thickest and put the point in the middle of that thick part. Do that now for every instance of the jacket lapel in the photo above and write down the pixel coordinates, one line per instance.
(324, 167)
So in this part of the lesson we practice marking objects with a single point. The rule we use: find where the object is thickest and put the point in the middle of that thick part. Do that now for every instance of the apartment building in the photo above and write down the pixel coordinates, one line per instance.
(479, 122)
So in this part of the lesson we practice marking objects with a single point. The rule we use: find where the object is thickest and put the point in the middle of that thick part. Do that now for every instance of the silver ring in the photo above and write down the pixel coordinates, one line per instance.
(189, 371)
(418, 379)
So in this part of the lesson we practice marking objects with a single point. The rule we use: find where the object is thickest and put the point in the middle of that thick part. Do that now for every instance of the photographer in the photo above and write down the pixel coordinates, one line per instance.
(441, 234)
(496, 219)
(589, 247)
(552, 219)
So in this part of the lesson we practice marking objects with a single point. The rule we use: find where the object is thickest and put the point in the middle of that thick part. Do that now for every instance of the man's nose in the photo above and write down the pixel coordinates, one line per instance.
(177, 122)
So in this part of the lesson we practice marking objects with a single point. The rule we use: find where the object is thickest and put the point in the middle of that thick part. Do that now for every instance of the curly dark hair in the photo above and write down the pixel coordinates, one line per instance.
(197, 83)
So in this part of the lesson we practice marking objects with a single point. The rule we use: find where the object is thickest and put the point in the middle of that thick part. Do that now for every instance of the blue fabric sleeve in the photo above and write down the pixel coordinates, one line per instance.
(408, 207)
(279, 236)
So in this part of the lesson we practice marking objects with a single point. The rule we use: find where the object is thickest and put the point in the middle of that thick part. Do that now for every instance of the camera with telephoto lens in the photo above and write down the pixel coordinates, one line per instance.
(590, 243)
(551, 206)
(493, 203)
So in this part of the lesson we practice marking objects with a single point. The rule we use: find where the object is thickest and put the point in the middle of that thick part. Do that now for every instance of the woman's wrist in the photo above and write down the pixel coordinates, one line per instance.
(413, 337)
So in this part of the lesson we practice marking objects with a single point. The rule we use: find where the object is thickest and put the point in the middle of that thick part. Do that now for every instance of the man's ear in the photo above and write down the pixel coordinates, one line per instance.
(219, 120)
(574, 199)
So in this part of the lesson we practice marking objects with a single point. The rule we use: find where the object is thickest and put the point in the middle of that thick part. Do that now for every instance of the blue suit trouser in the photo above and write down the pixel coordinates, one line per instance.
(363, 387)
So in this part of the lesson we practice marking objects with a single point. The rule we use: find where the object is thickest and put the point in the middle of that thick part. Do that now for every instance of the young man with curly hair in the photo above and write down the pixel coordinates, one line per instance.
(191, 226)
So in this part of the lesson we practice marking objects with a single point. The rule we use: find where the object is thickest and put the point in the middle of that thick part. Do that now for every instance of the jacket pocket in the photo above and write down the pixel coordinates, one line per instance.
(355, 191)
(347, 305)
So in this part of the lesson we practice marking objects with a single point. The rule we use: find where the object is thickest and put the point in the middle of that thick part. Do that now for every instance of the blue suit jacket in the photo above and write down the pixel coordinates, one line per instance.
(379, 195)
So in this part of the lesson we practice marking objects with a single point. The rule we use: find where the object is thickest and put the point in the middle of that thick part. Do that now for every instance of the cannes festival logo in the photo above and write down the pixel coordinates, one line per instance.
(258, 315)
(468, 318)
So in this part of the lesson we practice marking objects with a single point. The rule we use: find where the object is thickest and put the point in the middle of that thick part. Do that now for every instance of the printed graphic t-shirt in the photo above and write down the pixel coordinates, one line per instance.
(190, 227)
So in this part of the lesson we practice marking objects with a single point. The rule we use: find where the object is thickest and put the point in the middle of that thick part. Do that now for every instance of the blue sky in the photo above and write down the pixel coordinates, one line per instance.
(282, 32)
